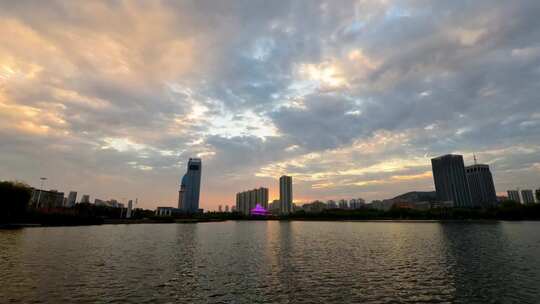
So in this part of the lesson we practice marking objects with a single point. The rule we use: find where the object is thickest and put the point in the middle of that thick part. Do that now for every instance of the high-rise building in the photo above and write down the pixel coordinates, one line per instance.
(537, 194)
(227, 208)
(240, 202)
(190, 187)
(481, 185)
(513, 195)
(220, 208)
(451, 180)
(247, 200)
(285, 194)
(527, 196)
(85, 199)
(72, 198)
(129, 209)
(343, 204)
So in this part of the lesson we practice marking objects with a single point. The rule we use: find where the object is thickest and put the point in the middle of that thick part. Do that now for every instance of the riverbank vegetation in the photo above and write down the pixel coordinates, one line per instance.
(505, 211)
(15, 210)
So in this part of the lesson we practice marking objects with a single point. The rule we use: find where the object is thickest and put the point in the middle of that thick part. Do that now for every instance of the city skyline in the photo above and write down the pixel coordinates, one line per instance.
(350, 100)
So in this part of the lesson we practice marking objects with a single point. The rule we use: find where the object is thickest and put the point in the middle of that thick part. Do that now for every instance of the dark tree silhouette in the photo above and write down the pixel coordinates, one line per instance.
(14, 198)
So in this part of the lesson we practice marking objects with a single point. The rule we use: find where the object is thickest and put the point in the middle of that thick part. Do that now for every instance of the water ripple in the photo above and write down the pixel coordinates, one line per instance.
(273, 262)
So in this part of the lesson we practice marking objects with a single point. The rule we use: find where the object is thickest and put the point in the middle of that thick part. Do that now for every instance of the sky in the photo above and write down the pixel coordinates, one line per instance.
(351, 98)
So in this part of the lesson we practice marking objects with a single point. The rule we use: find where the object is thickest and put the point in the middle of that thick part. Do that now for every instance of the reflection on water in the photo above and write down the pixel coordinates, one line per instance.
(273, 262)
(493, 262)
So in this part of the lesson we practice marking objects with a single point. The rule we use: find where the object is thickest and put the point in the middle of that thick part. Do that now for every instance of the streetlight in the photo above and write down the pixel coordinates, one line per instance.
(43, 179)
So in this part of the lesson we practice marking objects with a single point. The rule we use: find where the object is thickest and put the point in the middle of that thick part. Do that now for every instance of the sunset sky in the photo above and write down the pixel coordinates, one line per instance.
(351, 98)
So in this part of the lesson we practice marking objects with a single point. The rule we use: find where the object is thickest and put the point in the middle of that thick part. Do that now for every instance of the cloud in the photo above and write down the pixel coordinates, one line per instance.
(352, 98)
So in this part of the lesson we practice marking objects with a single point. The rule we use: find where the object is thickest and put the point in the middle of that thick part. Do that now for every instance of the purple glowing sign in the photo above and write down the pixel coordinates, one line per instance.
(259, 210)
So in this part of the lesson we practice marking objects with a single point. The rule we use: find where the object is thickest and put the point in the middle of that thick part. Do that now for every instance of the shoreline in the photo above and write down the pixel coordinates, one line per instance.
(195, 221)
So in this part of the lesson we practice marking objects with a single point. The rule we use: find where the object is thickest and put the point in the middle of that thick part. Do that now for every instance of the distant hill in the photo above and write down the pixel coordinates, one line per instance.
(417, 196)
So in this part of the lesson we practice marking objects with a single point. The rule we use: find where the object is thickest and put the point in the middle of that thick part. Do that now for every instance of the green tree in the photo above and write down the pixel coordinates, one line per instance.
(14, 198)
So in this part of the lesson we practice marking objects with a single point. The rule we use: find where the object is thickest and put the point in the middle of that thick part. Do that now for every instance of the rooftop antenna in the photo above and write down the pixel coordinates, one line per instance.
(43, 179)
(474, 156)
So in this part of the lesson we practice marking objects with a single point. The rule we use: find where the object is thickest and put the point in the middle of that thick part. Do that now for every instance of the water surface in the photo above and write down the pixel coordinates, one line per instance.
(273, 262)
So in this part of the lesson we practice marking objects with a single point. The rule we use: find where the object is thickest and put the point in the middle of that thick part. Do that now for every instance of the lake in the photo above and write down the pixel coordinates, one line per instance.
(273, 262)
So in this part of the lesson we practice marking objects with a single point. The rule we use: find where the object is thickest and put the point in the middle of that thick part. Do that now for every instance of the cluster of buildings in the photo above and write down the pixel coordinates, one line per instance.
(255, 202)
(460, 186)
(43, 199)
(248, 200)
(471, 186)
(527, 196)
(456, 185)
(319, 206)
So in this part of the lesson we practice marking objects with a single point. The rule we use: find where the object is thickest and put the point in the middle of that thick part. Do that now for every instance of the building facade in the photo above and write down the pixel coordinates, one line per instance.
(451, 180)
(165, 211)
(527, 196)
(537, 194)
(247, 200)
(129, 209)
(181, 192)
(481, 185)
(357, 203)
(85, 199)
(71, 199)
(285, 194)
(342, 204)
(190, 187)
(46, 199)
(513, 195)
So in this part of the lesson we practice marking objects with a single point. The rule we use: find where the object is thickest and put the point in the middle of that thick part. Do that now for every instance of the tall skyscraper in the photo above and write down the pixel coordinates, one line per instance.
(513, 195)
(451, 180)
(527, 196)
(285, 194)
(481, 185)
(190, 187)
(343, 204)
(71, 199)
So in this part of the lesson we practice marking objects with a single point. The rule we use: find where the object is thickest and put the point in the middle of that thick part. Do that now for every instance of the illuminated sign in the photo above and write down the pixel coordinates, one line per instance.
(259, 210)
